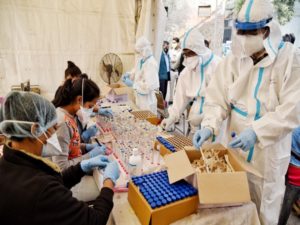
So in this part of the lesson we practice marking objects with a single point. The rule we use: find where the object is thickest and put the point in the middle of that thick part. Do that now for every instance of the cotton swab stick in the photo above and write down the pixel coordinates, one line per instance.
(205, 161)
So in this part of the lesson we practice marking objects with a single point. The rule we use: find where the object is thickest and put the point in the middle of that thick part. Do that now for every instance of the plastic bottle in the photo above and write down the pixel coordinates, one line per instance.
(135, 163)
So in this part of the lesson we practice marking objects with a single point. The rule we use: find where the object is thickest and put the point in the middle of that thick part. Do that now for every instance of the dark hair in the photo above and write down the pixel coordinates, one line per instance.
(206, 42)
(84, 76)
(289, 38)
(72, 70)
(71, 89)
(166, 42)
(176, 39)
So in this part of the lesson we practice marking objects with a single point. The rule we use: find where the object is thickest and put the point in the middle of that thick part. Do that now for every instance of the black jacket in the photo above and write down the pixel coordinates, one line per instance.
(33, 193)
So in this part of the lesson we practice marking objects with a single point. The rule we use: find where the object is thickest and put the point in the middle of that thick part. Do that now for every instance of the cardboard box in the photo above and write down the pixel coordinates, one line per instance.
(117, 93)
(214, 189)
(163, 215)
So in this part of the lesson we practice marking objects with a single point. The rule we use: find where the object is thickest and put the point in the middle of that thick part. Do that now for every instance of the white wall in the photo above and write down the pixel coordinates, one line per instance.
(38, 37)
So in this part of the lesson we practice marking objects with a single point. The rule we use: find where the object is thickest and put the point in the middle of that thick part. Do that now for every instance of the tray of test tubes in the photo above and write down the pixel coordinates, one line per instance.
(171, 144)
(146, 115)
(154, 194)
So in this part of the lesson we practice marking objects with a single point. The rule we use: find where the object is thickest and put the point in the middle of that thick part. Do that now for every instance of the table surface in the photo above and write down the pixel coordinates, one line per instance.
(246, 214)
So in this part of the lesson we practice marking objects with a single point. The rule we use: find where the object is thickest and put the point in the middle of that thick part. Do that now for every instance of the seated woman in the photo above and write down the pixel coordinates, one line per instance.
(68, 103)
(34, 190)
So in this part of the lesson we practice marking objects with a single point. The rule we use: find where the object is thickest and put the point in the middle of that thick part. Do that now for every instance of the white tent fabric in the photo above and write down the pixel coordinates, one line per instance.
(38, 37)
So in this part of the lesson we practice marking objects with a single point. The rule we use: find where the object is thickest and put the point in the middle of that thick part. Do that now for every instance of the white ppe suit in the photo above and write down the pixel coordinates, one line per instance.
(264, 97)
(192, 83)
(145, 77)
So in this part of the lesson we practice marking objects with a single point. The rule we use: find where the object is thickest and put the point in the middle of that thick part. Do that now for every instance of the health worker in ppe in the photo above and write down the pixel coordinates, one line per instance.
(144, 77)
(200, 65)
(257, 89)
(33, 189)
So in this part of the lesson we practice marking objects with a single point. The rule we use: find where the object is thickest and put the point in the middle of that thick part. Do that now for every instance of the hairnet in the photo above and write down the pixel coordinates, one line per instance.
(143, 46)
(193, 40)
(22, 107)
(254, 14)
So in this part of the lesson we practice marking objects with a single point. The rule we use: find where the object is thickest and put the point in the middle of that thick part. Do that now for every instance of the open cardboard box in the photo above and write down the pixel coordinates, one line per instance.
(163, 215)
(214, 189)
(118, 93)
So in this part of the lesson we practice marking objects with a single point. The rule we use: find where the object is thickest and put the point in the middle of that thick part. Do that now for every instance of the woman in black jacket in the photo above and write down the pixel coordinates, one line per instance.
(32, 189)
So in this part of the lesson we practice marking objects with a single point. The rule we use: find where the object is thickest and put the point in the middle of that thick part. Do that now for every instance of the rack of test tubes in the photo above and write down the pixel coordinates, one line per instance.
(130, 133)
(146, 115)
(158, 192)
(173, 143)
(142, 114)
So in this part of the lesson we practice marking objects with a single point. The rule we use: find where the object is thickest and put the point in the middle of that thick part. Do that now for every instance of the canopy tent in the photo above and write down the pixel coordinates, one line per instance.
(37, 38)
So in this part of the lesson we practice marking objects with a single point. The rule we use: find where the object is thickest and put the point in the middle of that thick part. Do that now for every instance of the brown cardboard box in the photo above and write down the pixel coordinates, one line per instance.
(163, 215)
(214, 189)
(117, 92)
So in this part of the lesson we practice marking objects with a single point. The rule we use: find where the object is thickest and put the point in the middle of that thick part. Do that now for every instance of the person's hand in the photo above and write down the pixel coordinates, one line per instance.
(128, 82)
(89, 147)
(88, 165)
(125, 76)
(105, 112)
(99, 150)
(245, 140)
(90, 132)
(201, 136)
(112, 172)
(168, 124)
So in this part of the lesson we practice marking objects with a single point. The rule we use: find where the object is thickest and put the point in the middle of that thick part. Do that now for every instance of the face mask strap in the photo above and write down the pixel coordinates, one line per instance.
(82, 91)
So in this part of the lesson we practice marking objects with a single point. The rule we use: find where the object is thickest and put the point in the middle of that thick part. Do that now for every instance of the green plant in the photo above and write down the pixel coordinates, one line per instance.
(284, 9)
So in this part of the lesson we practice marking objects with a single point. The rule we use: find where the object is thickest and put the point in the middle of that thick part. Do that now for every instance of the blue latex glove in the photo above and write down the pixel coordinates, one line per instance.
(125, 76)
(201, 136)
(245, 140)
(90, 132)
(99, 150)
(88, 165)
(128, 82)
(89, 147)
(112, 172)
(106, 112)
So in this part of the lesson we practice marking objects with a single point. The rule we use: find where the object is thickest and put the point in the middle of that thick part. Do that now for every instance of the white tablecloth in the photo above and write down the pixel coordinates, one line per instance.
(246, 214)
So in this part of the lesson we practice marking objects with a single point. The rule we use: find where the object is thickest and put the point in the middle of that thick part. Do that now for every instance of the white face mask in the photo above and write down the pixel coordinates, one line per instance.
(251, 44)
(52, 147)
(84, 115)
(191, 62)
